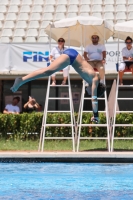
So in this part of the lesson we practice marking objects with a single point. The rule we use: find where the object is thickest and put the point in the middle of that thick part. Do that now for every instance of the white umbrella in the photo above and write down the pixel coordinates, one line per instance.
(77, 31)
(123, 29)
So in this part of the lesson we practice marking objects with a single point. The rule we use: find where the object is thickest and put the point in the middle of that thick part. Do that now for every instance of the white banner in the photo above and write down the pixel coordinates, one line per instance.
(5, 61)
(29, 57)
(24, 58)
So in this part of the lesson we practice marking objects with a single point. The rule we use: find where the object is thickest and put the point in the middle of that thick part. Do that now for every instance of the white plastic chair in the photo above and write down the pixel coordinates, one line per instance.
(30, 39)
(21, 24)
(120, 15)
(130, 16)
(11, 17)
(49, 8)
(17, 39)
(73, 2)
(97, 8)
(69, 15)
(5, 40)
(25, 9)
(120, 8)
(120, 2)
(4, 2)
(38, 2)
(109, 16)
(85, 2)
(60, 2)
(61, 8)
(130, 8)
(44, 24)
(15, 2)
(2, 17)
(32, 33)
(130, 2)
(34, 24)
(7, 32)
(96, 2)
(97, 14)
(13, 9)
(106, 2)
(3, 9)
(72, 8)
(43, 39)
(84, 14)
(27, 2)
(109, 8)
(84, 8)
(50, 2)
(9, 24)
(35, 16)
(37, 9)
(23, 17)
(59, 16)
(42, 33)
(111, 22)
(1, 25)
(19, 32)
(120, 21)
(47, 17)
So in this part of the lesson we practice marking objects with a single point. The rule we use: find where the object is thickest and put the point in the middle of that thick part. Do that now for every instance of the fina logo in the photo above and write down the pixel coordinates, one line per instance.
(36, 56)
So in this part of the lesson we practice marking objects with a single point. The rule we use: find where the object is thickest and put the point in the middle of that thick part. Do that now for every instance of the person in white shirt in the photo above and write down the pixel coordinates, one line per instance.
(127, 53)
(12, 108)
(95, 55)
(55, 53)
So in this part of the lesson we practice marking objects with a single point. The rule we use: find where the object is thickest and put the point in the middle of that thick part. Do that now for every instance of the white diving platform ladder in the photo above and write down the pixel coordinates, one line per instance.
(115, 111)
(80, 116)
(43, 136)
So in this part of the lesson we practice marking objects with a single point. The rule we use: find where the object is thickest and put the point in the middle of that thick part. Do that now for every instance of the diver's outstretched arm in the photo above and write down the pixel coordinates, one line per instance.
(59, 64)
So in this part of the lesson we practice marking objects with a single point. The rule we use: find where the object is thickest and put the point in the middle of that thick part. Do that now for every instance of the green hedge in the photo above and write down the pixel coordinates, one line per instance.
(28, 126)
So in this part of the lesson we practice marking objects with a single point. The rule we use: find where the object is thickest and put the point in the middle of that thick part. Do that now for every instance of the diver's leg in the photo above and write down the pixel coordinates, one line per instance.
(59, 64)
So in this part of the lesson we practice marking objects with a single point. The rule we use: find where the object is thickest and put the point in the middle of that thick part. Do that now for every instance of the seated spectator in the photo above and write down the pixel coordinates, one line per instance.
(31, 105)
(127, 53)
(12, 108)
(55, 53)
(95, 55)
(40, 108)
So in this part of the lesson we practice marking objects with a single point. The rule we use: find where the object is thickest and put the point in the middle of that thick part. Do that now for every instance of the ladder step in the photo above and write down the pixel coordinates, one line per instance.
(124, 98)
(59, 85)
(88, 111)
(123, 138)
(58, 138)
(124, 111)
(89, 98)
(58, 125)
(94, 138)
(117, 125)
(100, 125)
(59, 98)
(122, 86)
(59, 111)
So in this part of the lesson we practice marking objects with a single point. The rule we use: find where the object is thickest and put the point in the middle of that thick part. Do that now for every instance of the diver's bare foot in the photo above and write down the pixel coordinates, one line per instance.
(16, 84)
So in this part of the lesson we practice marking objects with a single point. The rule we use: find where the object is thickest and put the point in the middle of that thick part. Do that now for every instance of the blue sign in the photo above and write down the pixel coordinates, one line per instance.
(36, 56)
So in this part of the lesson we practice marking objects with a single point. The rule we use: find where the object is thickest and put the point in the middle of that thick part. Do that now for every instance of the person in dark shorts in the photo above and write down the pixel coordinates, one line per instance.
(127, 53)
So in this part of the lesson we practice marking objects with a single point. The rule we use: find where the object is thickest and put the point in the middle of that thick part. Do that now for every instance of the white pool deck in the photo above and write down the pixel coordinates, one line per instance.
(93, 156)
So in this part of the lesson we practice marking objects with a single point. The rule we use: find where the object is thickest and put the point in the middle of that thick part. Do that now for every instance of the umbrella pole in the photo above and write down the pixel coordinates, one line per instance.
(118, 48)
(50, 38)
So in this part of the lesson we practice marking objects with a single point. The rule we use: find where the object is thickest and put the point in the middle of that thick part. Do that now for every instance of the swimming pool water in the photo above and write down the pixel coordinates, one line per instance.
(66, 181)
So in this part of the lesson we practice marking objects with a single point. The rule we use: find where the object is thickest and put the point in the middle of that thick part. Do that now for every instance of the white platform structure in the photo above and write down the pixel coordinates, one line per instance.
(46, 111)
(118, 87)
(80, 124)
(122, 30)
